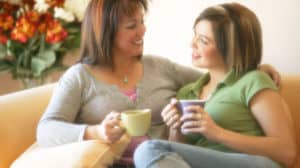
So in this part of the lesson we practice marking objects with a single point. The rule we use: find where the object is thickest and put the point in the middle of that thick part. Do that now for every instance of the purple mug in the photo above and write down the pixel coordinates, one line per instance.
(184, 103)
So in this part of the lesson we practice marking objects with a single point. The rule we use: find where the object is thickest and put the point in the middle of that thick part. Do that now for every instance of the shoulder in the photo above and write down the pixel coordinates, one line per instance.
(256, 74)
(258, 77)
(156, 60)
(74, 74)
(253, 82)
(74, 70)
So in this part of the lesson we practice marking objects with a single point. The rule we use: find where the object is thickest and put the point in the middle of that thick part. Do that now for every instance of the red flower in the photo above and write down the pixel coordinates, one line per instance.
(6, 21)
(55, 32)
(30, 3)
(9, 8)
(3, 39)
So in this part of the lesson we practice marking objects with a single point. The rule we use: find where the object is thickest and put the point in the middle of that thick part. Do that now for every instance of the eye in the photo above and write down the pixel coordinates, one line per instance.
(203, 40)
(131, 26)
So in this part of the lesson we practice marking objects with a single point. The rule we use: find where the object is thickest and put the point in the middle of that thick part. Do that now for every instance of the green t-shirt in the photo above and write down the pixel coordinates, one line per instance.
(228, 104)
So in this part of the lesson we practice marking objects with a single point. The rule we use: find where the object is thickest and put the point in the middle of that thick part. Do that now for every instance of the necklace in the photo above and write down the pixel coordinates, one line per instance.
(125, 79)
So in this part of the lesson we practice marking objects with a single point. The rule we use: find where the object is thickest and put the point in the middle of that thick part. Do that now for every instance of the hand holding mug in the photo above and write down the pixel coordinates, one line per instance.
(110, 129)
(199, 121)
(171, 115)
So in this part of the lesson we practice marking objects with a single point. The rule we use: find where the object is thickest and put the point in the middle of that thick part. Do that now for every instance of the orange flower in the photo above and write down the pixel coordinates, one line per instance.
(6, 21)
(18, 36)
(45, 19)
(32, 16)
(25, 27)
(55, 32)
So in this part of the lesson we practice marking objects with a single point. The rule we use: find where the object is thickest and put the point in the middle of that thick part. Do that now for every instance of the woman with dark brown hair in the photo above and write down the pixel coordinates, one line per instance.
(112, 76)
(244, 123)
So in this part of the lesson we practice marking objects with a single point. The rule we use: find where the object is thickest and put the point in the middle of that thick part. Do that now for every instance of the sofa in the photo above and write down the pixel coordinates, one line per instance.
(21, 111)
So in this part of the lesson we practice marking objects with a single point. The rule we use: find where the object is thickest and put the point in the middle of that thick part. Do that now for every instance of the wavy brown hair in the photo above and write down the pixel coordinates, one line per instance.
(99, 27)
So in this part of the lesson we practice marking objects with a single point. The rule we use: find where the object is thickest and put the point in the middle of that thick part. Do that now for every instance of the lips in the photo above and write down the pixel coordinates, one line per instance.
(195, 56)
(138, 42)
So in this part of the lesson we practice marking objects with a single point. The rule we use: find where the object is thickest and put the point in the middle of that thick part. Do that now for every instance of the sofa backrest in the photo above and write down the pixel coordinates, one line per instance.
(21, 111)
(290, 91)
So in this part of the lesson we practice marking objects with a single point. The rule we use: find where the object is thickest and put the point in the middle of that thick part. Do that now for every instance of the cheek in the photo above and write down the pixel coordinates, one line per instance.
(209, 52)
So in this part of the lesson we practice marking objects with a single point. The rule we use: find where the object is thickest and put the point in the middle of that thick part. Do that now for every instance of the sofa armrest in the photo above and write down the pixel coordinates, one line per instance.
(19, 115)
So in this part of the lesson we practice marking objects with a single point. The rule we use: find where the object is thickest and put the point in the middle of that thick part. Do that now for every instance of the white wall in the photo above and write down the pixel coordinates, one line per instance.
(169, 29)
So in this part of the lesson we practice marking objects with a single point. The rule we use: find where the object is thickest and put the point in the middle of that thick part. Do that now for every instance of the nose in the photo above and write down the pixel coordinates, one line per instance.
(142, 30)
(193, 43)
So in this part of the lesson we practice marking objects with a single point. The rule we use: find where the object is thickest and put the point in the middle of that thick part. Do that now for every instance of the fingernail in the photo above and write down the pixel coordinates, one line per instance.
(173, 101)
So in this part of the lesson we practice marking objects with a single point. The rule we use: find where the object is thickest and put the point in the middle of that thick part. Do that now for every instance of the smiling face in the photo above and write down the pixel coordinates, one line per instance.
(205, 52)
(130, 34)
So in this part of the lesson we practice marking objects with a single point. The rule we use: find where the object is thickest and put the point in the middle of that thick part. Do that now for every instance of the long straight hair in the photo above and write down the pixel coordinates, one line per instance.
(237, 33)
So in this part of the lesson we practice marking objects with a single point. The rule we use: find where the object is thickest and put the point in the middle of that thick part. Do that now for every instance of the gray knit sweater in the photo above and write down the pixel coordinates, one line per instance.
(80, 100)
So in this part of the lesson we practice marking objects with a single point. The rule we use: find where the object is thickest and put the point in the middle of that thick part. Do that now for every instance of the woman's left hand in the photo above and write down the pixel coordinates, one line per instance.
(272, 72)
(199, 121)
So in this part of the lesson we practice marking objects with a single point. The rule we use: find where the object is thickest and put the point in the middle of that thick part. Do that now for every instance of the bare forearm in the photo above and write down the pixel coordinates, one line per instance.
(272, 147)
(175, 135)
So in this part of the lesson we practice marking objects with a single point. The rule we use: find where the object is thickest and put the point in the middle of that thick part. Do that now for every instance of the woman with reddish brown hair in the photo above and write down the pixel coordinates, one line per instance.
(111, 76)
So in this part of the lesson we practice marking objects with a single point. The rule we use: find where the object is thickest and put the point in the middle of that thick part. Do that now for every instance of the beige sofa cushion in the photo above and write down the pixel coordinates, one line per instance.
(85, 154)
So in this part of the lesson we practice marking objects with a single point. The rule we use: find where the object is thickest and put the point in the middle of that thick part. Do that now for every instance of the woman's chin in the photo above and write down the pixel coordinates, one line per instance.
(197, 64)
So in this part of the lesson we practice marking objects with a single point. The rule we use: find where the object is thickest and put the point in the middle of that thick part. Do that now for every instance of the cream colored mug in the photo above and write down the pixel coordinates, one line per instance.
(136, 122)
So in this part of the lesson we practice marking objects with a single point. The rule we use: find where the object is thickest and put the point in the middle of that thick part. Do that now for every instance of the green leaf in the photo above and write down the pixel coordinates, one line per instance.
(42, 44)
(33, 40)
(9, 52)
(56, 46)
(2, 51)
(20, 58)
(48, 57)
(9, 43)
(38, 66)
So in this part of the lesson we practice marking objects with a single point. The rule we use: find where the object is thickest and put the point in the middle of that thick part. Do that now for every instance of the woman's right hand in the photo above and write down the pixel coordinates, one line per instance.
(110, 129)
(171, 115)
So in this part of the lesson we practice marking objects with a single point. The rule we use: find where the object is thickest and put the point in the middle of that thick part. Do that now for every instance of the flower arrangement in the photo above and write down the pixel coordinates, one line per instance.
(35, 35)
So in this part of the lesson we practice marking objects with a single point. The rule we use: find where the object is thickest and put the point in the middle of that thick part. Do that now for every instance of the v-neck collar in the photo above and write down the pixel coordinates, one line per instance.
(116, 89)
